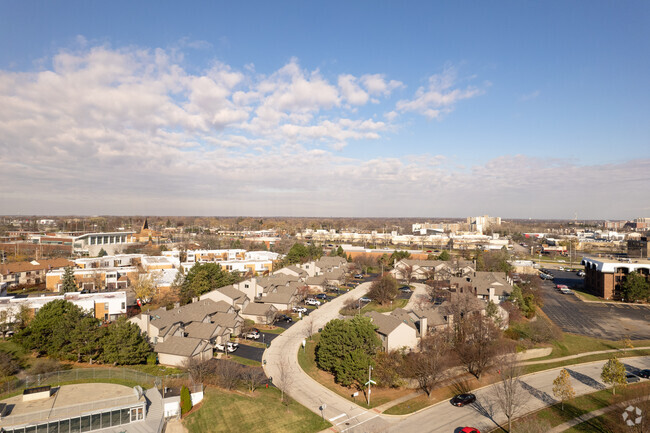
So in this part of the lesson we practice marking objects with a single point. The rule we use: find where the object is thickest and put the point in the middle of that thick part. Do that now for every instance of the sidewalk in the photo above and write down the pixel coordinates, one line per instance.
(580, 355)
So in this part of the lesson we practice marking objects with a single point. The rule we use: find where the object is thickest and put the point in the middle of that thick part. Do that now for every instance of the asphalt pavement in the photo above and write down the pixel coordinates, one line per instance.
(611, 321)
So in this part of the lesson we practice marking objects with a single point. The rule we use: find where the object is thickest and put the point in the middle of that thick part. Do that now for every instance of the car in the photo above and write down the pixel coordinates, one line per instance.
(463, 399)
(322, 296)
(566, 291)
(643, 373)
(284, 318)
(299, 309)
(229, 347)
(561, 261)
(252, 335)
(581, 273)
(358, 276)
(363, 299)
(405, 289)
(632, 378)
(312, 301)
(469, 430)
(561, 268)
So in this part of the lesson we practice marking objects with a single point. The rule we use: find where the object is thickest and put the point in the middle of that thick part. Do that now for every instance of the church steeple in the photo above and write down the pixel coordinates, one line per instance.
(145, 225)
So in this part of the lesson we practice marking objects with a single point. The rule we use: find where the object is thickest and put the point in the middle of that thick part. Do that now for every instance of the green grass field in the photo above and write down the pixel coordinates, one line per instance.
(261, 411)
(373, 306)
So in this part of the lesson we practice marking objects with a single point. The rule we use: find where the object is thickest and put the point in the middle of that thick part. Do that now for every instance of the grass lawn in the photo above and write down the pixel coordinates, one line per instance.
(373, 306)
(243, 361)
(572, 344)
(155, 370)
(307, 361)
(261, 411)
(588, 296)
(273, 330)
(627, 354)
(554, 415)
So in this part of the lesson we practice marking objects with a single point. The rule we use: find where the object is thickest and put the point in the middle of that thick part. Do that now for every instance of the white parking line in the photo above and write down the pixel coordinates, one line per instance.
(336, 417)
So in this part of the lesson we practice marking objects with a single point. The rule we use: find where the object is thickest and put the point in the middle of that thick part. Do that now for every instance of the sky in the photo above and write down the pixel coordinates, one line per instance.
(516, 109)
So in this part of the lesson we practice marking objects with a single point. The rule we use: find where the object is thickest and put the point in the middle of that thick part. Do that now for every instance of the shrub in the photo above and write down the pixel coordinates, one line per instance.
(186, 400)
(152, 359)
(45, 365)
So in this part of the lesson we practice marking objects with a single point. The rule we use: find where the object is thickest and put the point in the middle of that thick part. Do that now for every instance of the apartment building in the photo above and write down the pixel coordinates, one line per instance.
(30, 273)
(604, 277)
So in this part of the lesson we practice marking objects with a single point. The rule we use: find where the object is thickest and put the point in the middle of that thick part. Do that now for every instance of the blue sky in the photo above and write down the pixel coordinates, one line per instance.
(517, 109)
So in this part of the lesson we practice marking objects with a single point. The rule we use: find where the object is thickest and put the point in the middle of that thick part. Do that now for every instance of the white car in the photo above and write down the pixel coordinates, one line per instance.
(253, 335)
(312, 301)
(298, 309)
(230, 347)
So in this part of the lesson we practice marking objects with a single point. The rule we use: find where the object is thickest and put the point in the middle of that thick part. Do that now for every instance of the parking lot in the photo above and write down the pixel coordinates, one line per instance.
(594, 319)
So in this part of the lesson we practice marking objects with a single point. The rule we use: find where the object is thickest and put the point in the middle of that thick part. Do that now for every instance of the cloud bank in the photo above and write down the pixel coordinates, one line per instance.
(103, 130)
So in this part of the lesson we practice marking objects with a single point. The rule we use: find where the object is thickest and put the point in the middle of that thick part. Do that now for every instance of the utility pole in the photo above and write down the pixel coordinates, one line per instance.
(369, 382)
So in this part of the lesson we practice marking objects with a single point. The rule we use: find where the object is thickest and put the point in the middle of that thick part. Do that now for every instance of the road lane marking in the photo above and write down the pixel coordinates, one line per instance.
(357, 425)
(336, 417)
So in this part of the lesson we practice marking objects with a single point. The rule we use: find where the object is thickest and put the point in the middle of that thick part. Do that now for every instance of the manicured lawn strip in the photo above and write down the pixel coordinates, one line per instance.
(596, 425)
(572, 344)
(275, 330)
(554, 415)
(261, 411)
(599, 357)
(252, 343)
(410, 406)
(588, 296)
(373, 306)
(307, 361)
(244, 361)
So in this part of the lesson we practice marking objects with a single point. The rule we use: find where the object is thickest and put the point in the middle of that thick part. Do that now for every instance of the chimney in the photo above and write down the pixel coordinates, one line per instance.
(423, 327)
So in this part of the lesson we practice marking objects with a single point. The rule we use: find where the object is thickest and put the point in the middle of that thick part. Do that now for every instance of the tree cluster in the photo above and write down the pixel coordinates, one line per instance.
(300, 253)
(635, 288)
(203, 278)
(225, 374)
(492, 261)
(62, 330)
(346, 348)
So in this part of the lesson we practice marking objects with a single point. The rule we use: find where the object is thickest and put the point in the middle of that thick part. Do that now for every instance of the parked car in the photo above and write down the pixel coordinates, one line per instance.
(463, 399)
(469, 430)
(284, 318)
(643, 373)
(253, 335)
(581, 273)
(632, 378)
(362, 299)
(312, 301)
(299, 309)
(566, 291)
(358, 276)
(405, 289)
(229, 347)
(322, 296)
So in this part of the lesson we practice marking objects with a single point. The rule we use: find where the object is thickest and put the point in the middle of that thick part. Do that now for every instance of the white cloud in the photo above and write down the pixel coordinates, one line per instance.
(376, 84)
(351, 90)
(439, 96)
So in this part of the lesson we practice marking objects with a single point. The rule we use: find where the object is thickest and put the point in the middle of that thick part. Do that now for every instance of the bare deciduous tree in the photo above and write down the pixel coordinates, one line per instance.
(509, 393)
(480, 345)
(253, 377)
(283, 381)
(428, 367)
(227, 374)
(199, 371)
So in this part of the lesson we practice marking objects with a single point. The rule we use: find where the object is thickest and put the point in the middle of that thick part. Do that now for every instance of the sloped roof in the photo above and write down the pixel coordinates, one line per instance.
(258, 309)
(385, 323)
(227, 320)
(182, 346)
(404, 316)
(17, 267)
(201, 330)
(232, 293)
(482, 281)
(435, 315)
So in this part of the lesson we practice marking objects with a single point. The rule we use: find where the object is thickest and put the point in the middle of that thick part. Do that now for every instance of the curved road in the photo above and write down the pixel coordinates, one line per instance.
(282, 365)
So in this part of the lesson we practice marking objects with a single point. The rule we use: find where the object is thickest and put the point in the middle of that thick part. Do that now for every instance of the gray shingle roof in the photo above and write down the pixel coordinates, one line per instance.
(182, 346)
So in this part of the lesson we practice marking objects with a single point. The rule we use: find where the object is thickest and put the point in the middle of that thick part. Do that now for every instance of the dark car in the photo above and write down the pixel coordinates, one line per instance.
(643, 373)
(285, 318)
(322, 296)
(632, 378)
(463, 399)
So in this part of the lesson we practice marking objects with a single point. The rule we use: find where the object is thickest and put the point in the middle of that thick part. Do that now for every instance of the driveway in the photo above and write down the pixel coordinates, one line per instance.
(249, 352)
(594, 319)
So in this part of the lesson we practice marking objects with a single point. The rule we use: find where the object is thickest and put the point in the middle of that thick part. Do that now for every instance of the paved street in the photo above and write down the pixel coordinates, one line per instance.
(594, 319)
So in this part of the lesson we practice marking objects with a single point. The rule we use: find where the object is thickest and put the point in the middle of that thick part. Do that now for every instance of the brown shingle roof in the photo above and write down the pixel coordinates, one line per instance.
(17, 267)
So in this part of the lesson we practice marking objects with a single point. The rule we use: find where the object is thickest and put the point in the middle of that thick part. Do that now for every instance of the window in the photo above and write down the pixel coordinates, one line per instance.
(115, 417)
(64, 426)
(74, 425)
(53, 427)
(123, 305)
(106, 419)
(42, 428)
(96, 421)
(85, 423)
(126, 416)
(105, 305)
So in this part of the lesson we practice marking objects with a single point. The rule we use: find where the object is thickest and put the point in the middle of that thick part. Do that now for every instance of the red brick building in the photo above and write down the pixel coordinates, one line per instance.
(604, 277)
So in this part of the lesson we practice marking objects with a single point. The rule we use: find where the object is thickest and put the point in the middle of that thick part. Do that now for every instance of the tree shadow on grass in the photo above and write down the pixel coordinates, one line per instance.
(585, 379)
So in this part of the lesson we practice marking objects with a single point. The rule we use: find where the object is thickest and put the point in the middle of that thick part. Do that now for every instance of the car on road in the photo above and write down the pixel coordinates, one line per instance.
(632, 378)
(253, 335)
(363, 299)
(566, 291)
(322, 296)
(284, 318)
(643, 373)
(312, 301)
(358, 276)
(463, 399)
(581, 273)
(299, 309)
(405, 289)
(469, 430)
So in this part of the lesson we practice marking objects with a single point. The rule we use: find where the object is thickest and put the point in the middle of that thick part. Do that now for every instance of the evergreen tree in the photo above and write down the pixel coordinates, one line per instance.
(346, 348)
(123, 344)
(102, 253)
(444, 256)
(68, 283)
(203, 278)
(186, 400)
(634, 288)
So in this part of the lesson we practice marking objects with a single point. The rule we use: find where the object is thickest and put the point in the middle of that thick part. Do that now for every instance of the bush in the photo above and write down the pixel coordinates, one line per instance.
(152, 359)
(186, 400)
(45, 365)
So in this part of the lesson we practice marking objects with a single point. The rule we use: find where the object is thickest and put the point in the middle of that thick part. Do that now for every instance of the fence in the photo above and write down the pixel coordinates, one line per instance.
(54, 378)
